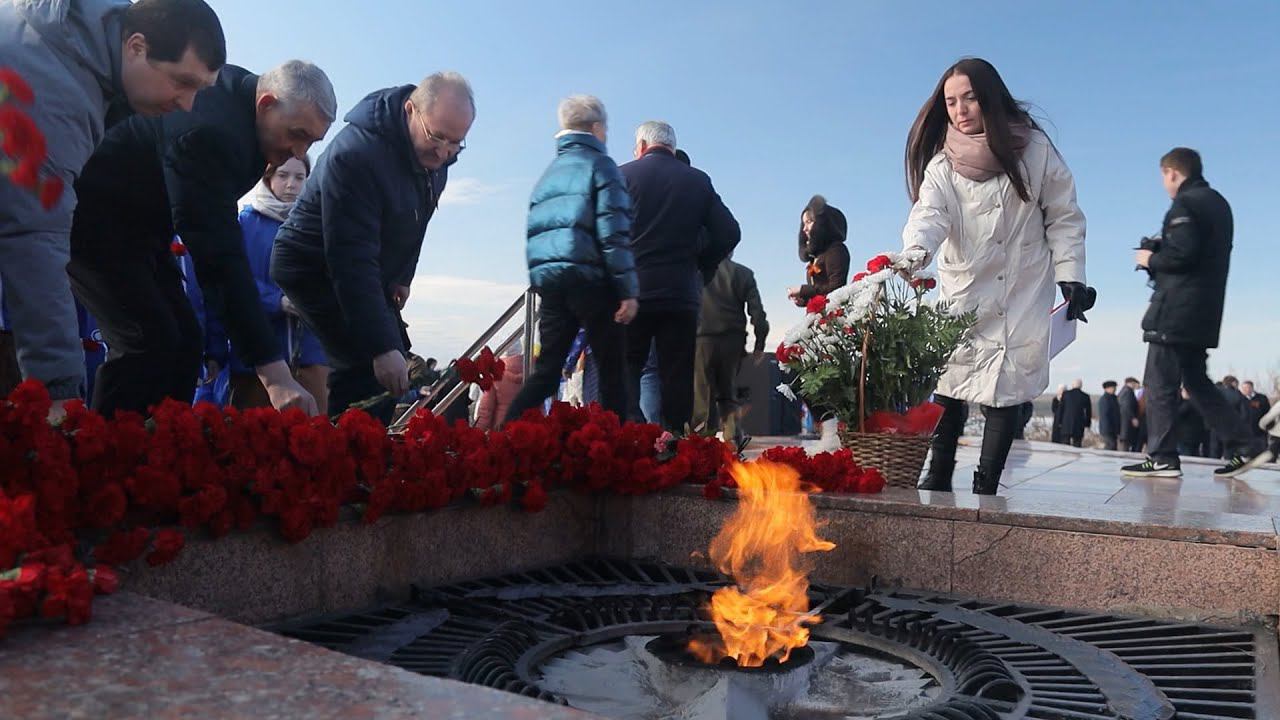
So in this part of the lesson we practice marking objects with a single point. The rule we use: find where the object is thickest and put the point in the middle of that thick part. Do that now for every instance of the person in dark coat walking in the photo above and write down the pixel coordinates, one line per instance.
(349, 249)
(152, 178)
(722, 339)
(580, 260)
(1189, 273)
(1130, 439)
(1229, 387)
(673, 204)
(1109, 416)
(1077, 414)
(90, 64)
(1055, 431)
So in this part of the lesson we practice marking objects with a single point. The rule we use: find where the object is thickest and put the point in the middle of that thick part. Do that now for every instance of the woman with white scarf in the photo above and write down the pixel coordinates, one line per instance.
(995, 205)
(269, 204)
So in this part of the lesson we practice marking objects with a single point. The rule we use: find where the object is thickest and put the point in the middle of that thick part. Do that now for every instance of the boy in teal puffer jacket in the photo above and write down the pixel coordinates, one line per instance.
(580, 262)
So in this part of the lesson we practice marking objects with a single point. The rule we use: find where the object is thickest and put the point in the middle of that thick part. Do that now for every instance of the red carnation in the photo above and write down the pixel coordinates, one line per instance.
(17, 86)
(878, 263)
(859, 277)
(534, 498)
(91, 345)
(105, 580)
(467, 370)
(177, 248)
(816, 305)
(122, 547)
(50, 192)
(106, 506)
(926, 283)
(295, 523)
(168, 543)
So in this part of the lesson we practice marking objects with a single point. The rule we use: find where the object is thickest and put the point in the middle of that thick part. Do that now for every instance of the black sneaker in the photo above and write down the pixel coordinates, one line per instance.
(1153, 468)
(1237, 465)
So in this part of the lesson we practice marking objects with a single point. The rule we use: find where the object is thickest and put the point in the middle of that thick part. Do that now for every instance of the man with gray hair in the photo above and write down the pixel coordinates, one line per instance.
(153, 178)
(348, 251)
(680, 233)
(579, 252)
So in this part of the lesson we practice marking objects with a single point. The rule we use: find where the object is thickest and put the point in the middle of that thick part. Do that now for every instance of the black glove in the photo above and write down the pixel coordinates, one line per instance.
(1079, 299)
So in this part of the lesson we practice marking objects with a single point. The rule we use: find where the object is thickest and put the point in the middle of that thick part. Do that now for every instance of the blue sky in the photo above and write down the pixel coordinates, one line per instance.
(780, 101)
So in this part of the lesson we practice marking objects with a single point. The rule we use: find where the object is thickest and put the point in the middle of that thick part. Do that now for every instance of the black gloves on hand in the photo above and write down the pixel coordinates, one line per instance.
(1079, 299)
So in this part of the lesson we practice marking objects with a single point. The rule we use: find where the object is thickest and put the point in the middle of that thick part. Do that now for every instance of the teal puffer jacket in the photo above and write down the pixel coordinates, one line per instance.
(579, 230)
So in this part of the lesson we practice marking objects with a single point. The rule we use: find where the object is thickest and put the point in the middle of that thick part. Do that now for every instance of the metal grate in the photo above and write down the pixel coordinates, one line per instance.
(990, 661)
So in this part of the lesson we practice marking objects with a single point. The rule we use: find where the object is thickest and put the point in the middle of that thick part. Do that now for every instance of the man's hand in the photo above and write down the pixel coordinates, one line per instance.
(1143, 258)
(392, 372)
(287, 307)
(400, 295)
(1135, 422)
(211, 370)
(283, 390)
(627, 310)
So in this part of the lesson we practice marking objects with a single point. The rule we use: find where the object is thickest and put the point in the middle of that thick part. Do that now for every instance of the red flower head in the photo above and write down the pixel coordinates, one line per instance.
(816, 305)
(859, 277)
(878, 263)
(534, 498)
(178, 248)
(50, 192)
(105, 580)
(168, 543)
(926, 283)
(467, 370)
(17, 86)
(91, 345)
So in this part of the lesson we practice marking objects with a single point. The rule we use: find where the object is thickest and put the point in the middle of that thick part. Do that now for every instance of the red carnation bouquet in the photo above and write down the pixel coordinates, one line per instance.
(22, 145)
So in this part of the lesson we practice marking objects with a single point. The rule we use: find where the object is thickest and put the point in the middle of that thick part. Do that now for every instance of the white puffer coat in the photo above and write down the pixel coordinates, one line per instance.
(1002, 258)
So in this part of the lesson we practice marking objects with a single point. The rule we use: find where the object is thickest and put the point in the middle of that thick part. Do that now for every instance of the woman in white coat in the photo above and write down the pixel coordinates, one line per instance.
(995, 205)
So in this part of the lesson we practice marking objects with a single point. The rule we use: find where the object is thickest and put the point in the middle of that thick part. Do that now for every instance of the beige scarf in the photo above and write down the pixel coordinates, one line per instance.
(971, 156)
(264, 201)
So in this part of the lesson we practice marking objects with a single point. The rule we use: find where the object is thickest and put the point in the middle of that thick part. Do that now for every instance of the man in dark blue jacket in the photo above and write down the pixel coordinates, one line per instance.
(153, 178)
(673, 205)
(1109, 416)
(349, 249)
(1189, 272)
(579, 251)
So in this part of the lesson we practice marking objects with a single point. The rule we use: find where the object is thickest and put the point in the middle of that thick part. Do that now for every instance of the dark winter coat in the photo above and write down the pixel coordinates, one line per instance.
(1109, 423)
(823, 251)
(361, 218)
(1259, 406)
(183, 173)
(1189, 270)
(672, 204)
(732, 288)
(1128, 402)
(579, 229)
(1077, 413)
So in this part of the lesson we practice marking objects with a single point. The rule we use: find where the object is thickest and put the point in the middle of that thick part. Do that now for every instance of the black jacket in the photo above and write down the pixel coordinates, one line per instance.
(1077, 412)
(1128, 411)
(672, 203)
(361, 218)
(1108, 415)
(824, 252)
(732, 288)
(1189, 270)
(183, 173)
(1259, 405)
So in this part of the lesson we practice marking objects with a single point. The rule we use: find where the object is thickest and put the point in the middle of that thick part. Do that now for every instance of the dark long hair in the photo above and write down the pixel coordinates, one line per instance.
(999, 111)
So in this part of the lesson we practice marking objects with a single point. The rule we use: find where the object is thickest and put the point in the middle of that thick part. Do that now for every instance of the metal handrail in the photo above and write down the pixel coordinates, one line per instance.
(428, 397)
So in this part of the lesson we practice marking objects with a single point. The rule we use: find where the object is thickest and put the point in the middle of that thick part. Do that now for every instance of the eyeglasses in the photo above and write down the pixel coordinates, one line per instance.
(452, 146)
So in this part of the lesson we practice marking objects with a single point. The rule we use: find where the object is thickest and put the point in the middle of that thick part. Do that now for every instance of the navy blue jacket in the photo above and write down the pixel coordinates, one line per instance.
(1108, 414)
(672, 203)
(361, 218)
(579, 230)
(182, 174)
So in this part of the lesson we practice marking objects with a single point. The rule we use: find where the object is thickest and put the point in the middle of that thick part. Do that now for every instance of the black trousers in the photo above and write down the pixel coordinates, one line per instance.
(155, 343)
(351, 377)
(1171, 367)
(561, 315)
(674, 332)
(1109, 442)
(997, 438)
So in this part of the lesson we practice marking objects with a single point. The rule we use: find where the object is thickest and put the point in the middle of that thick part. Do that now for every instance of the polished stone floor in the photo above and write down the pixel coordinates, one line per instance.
(1047, 479)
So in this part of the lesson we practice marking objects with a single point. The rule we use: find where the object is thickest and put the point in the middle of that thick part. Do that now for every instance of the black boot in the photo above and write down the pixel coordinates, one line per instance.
(984, 483)
(938, 479)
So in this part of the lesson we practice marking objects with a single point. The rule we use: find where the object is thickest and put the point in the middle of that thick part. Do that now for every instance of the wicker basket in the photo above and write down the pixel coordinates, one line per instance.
(899, 458)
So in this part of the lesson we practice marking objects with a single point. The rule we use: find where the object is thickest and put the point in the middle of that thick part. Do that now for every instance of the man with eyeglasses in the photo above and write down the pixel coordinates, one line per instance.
(347, 253)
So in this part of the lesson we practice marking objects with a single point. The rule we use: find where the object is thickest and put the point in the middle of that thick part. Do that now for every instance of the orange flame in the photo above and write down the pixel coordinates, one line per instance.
(760, 547)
